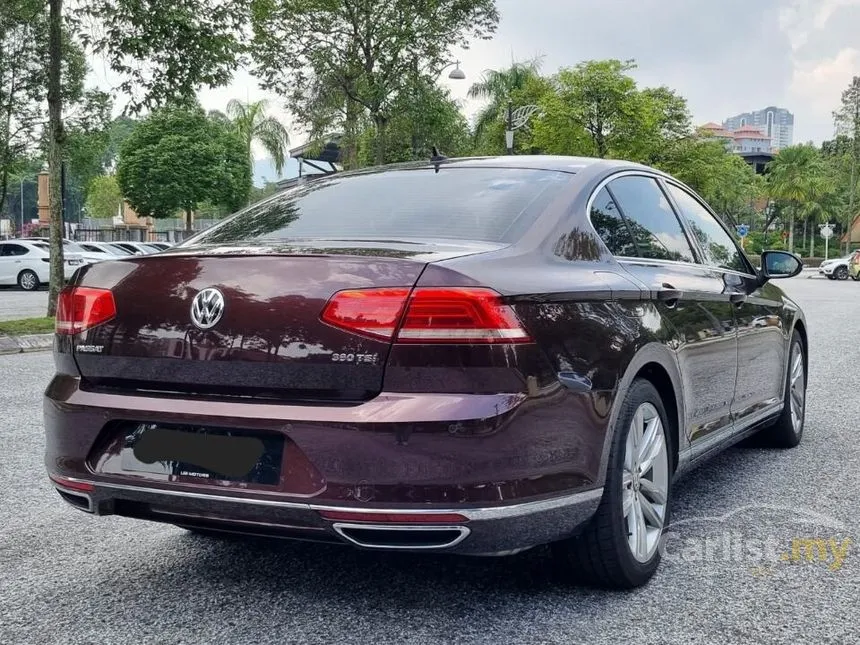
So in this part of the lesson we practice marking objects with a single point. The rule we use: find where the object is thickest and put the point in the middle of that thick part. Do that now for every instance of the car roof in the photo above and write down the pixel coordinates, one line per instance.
(558, 163)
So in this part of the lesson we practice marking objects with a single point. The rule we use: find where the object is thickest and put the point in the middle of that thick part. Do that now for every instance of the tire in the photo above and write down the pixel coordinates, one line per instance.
(787, 431)
(831, 277)
(603, 554)
(856, 277)
(28, 280)
(841, 273)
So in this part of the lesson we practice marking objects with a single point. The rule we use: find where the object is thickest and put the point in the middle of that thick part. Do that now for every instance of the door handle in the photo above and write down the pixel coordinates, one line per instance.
(669, 295)
(738, 299)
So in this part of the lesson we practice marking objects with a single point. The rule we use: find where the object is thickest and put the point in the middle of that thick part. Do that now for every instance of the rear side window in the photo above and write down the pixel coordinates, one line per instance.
(13, 249)
(611, 227)
(656, 229)
(718, 246)
(481, 204)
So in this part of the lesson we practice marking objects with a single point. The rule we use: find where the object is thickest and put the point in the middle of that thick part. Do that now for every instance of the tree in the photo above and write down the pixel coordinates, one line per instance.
(847, 119)
(792, 177)
(88, 138)
(723, 179)
(498, 87)
(252, 124)
(600, 99)
(423, 119)
(104, 197)
(356, 56)
(178, 158)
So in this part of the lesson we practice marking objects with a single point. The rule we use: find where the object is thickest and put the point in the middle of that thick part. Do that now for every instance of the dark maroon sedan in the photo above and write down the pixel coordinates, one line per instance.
(474, 356)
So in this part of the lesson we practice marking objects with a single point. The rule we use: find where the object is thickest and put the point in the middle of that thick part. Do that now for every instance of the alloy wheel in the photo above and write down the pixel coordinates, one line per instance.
(28, 281)
(797, 388)
(645, 482)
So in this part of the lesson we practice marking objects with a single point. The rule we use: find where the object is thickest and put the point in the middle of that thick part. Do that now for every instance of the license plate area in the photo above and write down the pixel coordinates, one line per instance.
(203, 453)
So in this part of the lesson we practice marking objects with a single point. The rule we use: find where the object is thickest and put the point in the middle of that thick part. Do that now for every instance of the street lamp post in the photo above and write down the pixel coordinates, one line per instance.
(456, 74)
(515, 120)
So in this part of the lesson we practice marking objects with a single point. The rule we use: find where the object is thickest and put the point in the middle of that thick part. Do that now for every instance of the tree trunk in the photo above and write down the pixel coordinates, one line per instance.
(55, 151)
(189, 222)
(349, 154)
(379, 158)
(805, 230)
(791, 229)
(812, 240)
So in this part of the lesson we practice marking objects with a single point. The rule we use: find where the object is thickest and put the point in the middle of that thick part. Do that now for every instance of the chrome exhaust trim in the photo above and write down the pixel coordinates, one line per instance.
(348, 532)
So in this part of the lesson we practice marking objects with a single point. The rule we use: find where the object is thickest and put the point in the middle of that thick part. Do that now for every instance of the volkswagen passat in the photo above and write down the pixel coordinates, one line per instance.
(474, 356)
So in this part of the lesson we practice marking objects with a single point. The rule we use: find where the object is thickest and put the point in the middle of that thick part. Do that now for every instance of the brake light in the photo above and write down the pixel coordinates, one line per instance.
(82, 308)
(432, 315)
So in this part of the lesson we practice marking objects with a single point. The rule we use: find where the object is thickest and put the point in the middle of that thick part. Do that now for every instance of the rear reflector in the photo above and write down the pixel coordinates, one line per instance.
(433, 315)
(83, 487)
(81, 308)
(394, 518)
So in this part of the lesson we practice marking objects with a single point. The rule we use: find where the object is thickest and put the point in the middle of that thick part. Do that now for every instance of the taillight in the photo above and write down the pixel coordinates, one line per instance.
(81, 308)
(432, 315)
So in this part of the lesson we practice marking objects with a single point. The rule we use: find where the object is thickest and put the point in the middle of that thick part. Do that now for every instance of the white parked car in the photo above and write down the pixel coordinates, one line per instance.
(27, 263)
(835, 269)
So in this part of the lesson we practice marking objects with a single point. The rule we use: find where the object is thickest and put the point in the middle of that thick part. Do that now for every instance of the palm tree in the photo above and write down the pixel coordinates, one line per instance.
(793, 176)
(496, 86)
(821, 205)
(252, 124)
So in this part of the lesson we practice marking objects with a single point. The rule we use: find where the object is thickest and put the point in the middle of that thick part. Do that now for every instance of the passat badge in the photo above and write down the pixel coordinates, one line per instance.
(207, 308)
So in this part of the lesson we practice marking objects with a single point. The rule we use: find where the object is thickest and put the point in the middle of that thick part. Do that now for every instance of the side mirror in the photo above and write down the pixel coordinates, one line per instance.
(779, 264)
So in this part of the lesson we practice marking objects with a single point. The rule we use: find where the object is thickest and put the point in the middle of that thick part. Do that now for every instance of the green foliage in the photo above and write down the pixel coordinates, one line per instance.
(104, 197)
(251, 123)
(165, 50)
(349, 59)
(24, 81)
(423, 119)
(178, 158)
(723, 179)
(500, 86)
(797, 176)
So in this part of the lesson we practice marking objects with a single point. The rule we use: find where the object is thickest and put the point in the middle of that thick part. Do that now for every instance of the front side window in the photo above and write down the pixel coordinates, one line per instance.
(719, 248)
(656, 230)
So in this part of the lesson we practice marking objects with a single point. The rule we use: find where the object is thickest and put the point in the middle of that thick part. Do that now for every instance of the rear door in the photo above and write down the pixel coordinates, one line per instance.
(757, 309)
(690, 296)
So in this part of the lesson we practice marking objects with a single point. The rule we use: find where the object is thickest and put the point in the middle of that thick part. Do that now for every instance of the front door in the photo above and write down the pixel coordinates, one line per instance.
(757, 311)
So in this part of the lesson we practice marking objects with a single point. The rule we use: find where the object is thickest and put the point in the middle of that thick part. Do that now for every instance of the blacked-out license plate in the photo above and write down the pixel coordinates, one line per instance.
(204, 453)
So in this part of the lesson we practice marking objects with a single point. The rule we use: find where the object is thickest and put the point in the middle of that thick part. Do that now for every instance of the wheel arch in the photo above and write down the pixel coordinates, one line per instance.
(657, 364)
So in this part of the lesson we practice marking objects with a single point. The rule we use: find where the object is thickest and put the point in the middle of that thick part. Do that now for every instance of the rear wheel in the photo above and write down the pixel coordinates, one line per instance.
(619, 548)
(28, 280)
(841, 273)
(788, 429)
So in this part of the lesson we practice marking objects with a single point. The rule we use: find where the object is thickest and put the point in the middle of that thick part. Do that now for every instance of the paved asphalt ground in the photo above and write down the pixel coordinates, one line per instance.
(730, 575)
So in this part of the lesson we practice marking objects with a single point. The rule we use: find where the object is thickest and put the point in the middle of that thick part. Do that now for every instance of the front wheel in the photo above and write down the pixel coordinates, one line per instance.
(841, 273)
(856, 276)
(788, 429)
(28, 280)
(619, 547)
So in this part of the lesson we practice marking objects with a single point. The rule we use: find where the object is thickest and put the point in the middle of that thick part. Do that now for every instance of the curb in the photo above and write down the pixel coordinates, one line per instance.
(26, 343)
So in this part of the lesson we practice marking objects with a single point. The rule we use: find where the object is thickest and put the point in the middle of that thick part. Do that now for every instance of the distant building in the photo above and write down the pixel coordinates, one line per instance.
(777, 123)
(751, 139)
(748, 142)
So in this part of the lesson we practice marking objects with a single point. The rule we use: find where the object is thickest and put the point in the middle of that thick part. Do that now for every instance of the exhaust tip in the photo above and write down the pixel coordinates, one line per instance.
(402, 537)
(82, 502)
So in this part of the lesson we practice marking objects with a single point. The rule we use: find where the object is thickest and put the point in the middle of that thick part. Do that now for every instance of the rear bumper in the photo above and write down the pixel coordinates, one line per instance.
(489, 530)
(522, 469)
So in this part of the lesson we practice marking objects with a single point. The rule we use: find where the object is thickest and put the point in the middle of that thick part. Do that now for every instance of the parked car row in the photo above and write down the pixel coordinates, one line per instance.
(26, 263)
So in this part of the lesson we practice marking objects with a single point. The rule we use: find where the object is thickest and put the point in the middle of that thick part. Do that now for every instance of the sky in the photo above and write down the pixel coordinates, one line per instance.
(724, 56)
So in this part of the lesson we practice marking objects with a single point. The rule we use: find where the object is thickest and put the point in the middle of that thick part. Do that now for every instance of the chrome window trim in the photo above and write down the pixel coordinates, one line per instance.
(669, 180)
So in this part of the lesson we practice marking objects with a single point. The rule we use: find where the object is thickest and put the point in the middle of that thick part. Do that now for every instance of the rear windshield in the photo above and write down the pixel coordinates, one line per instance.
(481, 204)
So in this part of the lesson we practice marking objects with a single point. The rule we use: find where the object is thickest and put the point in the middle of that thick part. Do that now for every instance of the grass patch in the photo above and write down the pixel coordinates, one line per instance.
(27, 326)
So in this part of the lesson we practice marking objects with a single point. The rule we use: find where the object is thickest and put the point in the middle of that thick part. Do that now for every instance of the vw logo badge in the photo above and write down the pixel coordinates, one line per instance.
(207, 308)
